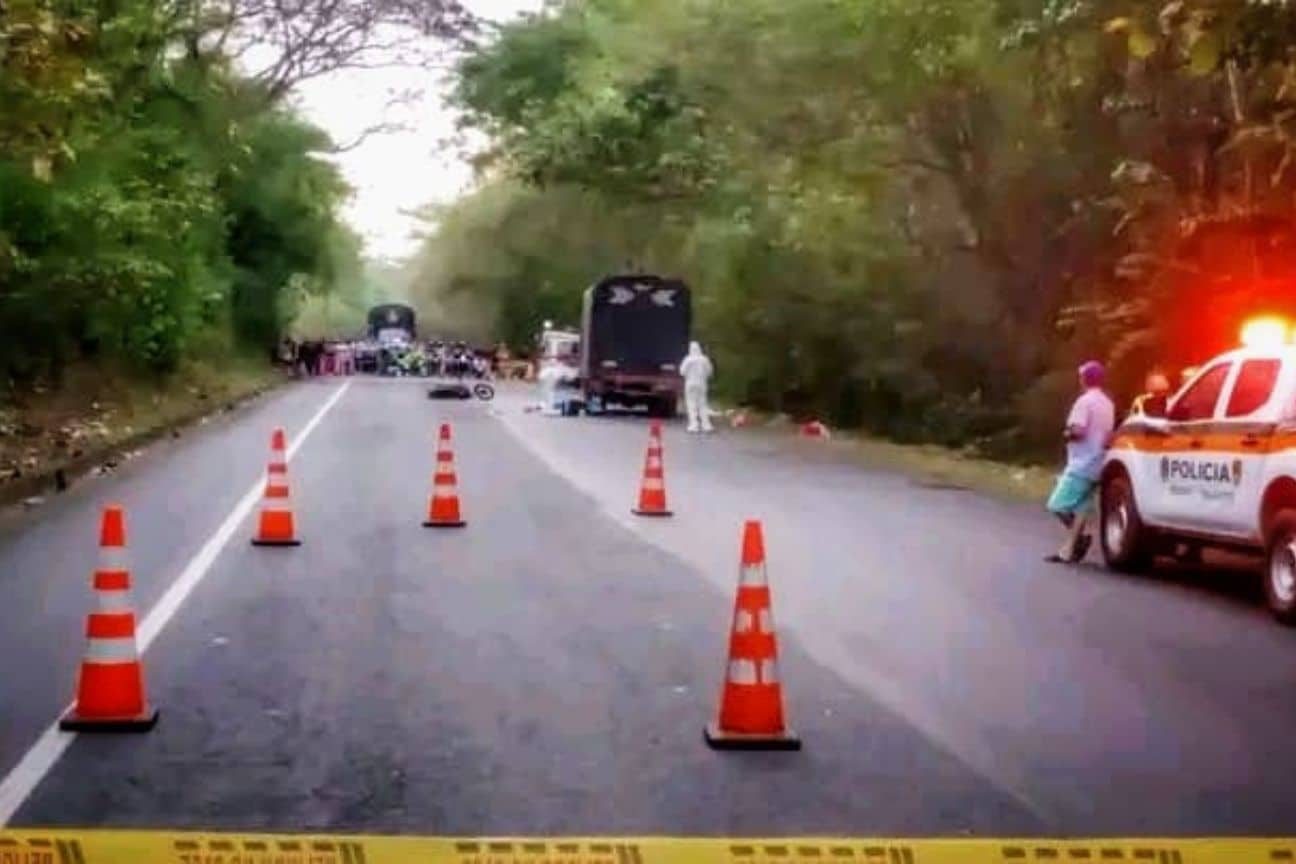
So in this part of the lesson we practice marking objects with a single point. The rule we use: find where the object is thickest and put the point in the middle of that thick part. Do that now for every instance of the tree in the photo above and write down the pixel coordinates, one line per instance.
(151, 200)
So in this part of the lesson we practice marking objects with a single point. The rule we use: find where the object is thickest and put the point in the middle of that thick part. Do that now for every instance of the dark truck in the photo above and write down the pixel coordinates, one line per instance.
(634, 332)
(391, 329)
(390, 321)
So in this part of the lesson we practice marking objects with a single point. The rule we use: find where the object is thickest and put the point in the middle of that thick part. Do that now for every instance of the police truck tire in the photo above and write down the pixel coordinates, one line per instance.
(1126, 541)
(1280, 567)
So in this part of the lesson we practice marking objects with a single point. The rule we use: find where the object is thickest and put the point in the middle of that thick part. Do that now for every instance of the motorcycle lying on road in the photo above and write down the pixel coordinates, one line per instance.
(459, 388)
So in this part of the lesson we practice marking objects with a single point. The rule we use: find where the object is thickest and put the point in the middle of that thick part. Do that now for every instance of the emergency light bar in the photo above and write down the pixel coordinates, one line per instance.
(1265, 331)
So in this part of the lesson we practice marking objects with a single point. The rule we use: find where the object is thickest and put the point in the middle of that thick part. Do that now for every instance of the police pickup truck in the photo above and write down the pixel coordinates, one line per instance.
(1216, 467)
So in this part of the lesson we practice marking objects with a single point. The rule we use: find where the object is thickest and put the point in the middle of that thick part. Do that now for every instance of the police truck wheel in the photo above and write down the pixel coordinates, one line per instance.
(1280, 568)
(1126, 542)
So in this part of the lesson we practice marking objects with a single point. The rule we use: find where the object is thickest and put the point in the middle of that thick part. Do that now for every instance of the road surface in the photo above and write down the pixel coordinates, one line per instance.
(548, 669)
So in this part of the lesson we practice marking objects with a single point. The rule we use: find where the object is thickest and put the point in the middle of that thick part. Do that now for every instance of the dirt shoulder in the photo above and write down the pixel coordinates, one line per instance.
(926, 463)
(945, 467)
(96, 420)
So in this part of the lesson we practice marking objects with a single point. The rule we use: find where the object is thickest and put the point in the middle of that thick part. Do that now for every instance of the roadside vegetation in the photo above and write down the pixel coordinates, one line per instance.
(913, 217)
(165, 215)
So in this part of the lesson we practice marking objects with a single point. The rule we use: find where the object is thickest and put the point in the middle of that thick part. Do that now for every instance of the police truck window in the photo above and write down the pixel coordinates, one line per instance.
(1255, 384)
(1198, 403)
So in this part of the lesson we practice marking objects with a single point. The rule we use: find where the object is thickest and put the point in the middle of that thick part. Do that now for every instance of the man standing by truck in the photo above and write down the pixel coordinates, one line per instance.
(1087, 433)
(696, 370)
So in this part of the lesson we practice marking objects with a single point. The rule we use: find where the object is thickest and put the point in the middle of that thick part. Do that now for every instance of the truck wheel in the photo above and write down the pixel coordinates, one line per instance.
(1280, 568)
(1126, 542)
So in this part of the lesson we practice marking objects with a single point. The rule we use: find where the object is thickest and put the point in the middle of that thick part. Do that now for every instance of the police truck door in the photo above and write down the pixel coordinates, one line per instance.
(1251, 413)
(1186, 494)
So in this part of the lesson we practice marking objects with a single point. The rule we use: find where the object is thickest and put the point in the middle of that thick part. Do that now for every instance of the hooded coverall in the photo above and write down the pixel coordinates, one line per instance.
(696, 370)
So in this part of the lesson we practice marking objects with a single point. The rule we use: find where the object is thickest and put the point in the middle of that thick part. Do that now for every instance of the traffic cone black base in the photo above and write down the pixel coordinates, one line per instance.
(662, 513)
(718, 739)
(69, 722)
(457, 524)
(258, 542)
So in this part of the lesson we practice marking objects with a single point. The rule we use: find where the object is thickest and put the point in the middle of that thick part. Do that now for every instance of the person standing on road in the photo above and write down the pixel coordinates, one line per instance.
(696, 369)
(1088, 431)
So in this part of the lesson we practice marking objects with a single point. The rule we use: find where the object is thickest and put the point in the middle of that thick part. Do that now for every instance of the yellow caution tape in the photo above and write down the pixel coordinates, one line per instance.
(160, 847)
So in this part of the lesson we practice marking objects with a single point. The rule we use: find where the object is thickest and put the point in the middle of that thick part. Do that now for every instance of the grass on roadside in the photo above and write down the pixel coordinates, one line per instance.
(930, 463)
(945, 466)
(96, 411)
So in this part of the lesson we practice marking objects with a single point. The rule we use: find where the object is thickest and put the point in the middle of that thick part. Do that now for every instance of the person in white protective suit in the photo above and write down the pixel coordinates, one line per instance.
(696, 369)
(549, 377)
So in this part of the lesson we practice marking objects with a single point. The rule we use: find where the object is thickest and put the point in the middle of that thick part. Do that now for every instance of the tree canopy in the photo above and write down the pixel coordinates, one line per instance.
(914, 215)
(157, 195)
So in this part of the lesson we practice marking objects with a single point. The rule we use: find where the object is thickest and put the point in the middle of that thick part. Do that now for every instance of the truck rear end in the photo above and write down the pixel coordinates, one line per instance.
(634, 331)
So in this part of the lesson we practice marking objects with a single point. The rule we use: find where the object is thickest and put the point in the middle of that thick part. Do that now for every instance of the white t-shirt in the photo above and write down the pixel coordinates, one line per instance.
(1094, 415)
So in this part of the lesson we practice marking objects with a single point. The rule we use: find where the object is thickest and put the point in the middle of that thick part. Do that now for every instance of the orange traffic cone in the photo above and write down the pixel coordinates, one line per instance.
(275, 526)
(751, 704)
(443, 508)
(110, 688)
(652, 490)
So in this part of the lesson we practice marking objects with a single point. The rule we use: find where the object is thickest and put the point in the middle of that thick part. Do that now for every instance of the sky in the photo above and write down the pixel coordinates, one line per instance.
(400, 171)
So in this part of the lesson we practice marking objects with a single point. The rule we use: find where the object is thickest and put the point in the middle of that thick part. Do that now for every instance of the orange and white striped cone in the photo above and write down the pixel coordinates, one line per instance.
(652, 489)
(443, 507)
(110, 687)
(751, 703)
(276, 525)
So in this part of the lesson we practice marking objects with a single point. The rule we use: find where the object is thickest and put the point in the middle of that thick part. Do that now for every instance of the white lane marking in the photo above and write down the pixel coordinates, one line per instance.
(37, 762)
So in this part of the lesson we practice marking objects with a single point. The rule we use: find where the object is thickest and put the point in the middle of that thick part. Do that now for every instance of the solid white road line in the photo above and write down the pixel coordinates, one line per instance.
(45, 753)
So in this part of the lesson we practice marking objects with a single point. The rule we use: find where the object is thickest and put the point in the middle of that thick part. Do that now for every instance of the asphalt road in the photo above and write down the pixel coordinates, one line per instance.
(548, 669)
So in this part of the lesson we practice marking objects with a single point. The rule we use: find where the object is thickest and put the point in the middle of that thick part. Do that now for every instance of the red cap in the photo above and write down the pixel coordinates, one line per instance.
(445, 431)
(277, 439)
(112, 529)
(753, 548)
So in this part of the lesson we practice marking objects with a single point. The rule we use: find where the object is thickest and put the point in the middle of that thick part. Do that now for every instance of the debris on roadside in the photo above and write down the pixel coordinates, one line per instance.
(815, 429)
(34, 501)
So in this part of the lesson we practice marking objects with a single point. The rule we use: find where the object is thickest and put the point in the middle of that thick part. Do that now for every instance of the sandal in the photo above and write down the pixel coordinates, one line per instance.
(1081, 548)
(1055, 559)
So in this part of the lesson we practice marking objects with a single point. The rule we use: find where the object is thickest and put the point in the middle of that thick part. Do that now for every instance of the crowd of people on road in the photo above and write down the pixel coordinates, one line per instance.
(314, 357)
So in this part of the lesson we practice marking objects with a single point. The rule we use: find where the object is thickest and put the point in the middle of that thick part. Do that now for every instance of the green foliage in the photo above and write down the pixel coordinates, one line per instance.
(912, 215)
(148, 198)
